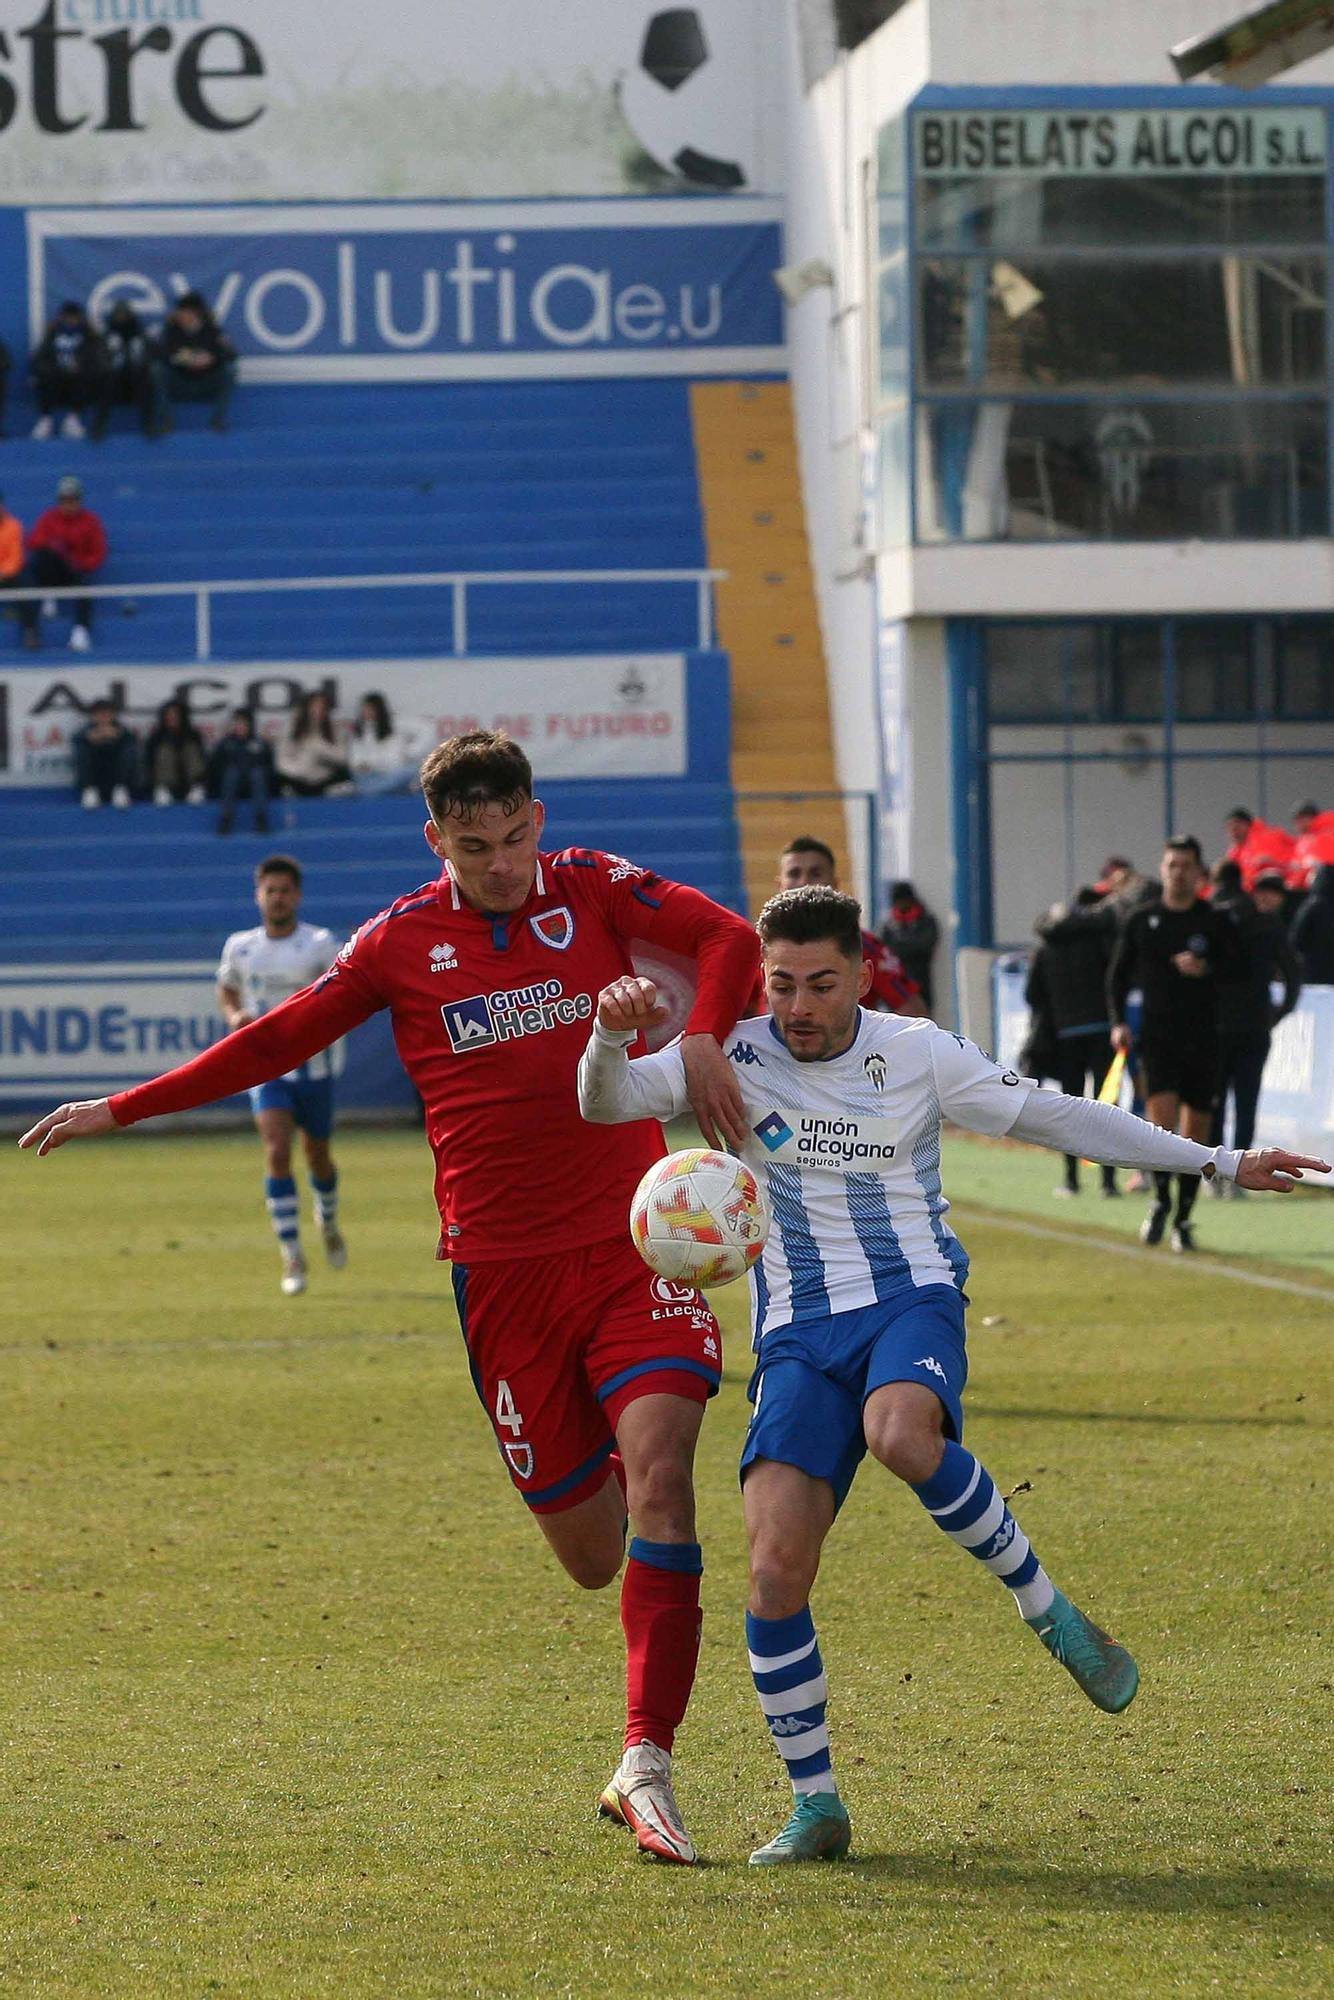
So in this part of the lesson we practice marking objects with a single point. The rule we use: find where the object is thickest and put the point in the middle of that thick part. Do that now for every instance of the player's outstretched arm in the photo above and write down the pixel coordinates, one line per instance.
(86, 1120)
(612, 1089)
(1269, 1170)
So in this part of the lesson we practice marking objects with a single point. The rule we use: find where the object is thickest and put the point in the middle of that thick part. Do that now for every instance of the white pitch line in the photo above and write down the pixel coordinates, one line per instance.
(1204, 1266)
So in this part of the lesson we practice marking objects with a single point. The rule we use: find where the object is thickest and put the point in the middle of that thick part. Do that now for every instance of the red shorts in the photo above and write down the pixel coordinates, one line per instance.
(559, 1346)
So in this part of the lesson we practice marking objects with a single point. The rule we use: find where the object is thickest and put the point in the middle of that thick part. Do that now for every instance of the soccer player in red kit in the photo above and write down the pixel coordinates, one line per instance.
(593, 1372)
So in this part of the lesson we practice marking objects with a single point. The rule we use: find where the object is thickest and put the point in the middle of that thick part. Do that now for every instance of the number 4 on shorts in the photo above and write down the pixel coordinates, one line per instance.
(506, 1413)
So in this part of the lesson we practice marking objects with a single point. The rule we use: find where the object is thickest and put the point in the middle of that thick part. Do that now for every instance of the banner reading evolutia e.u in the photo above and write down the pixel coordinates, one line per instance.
(262, 100)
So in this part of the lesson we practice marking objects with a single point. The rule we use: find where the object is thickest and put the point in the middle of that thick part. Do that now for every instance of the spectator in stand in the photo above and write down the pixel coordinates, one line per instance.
(1246, 1009)
(174, 759)
(1067, 985)
(309, 758)
(241, 767)
(66, 371)
(1304, 814)
(1313, 929)
(1237, 824)
(67, 545)
(126, 361)
(195, 363)
(384, 758)
(912, 932)
(11, 550)
(106, 759)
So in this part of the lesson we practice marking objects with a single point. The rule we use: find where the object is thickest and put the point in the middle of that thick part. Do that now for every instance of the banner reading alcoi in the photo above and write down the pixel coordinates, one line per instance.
(428, 292)
(615, 717)
(1266, 140)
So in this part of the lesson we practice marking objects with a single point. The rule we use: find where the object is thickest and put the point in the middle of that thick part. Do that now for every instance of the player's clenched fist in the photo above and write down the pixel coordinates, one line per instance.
(630, 1003)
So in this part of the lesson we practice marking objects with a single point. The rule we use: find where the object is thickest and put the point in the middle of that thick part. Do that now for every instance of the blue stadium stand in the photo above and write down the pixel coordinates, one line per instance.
(350, 480)
(151, 884)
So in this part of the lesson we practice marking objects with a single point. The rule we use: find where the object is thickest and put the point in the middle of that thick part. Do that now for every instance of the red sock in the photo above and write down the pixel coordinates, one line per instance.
(660, 1616)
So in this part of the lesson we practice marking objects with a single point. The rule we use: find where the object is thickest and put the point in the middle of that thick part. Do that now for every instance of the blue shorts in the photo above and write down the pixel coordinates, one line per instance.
(308, 1100)
(812, 1380)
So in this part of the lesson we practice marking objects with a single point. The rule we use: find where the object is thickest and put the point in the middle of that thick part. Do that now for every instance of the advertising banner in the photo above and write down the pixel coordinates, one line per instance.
(603, 717)
(1087, 143)
(224, 100)
(423, 292)
(71, 1031)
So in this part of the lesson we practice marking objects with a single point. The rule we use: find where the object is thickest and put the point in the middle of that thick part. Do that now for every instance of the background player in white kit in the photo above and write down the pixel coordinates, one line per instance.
(259, 968)
(858, 1299)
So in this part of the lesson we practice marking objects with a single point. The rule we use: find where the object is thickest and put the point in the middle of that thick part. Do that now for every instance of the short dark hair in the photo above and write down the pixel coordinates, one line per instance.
(1185, 843)
(278, 864)
(806, 843)
(1305, 807)
(1226, 875)
(806, 916)
(1270, 879)
(1240, 812)
(464, 774)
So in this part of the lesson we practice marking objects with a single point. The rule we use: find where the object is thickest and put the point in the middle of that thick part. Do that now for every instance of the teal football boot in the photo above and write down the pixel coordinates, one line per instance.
(1105, 1671)
(819, 1830)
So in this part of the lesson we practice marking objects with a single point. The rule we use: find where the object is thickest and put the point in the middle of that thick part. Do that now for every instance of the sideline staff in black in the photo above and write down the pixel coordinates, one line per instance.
(1175, 951)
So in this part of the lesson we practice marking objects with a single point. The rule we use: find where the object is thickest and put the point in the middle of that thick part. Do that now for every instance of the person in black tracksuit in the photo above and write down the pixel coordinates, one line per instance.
(1177, 952)
(1313, 929)
(1067, 985)
(1246, 1009)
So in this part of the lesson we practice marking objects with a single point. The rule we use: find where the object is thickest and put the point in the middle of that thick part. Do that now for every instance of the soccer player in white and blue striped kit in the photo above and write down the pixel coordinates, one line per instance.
(858, 1300)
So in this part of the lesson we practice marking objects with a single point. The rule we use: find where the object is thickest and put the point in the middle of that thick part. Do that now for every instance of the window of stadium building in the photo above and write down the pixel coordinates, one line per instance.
(1119, 670)
(1119, 324)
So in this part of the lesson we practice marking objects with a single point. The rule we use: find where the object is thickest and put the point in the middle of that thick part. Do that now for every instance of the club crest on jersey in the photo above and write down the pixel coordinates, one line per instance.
(874, 1067)
(520, 1457)
(554, 928)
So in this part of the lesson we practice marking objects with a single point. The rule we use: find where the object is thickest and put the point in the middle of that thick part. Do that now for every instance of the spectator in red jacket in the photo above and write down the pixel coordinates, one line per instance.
(67, 545)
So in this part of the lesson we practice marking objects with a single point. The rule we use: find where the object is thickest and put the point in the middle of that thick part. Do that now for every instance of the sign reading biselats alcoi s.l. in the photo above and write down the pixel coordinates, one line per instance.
(1048, 143)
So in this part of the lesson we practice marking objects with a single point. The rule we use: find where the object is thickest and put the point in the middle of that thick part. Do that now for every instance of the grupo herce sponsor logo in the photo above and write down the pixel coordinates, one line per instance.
(487, 1018)
(90, 67)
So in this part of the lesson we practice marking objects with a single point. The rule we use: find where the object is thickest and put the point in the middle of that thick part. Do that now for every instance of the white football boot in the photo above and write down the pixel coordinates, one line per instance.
(640, 1796)
(335, 1248)
(294, 1273)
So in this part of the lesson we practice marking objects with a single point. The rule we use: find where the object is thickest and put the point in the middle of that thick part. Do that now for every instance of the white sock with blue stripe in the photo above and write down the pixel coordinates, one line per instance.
(789, 1679)
(962, 1500)
(326, 1200)
(281, 1200)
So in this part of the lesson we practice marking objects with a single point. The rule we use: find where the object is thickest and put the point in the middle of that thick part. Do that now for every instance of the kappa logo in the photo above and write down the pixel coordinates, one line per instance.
(520, 1457)
(744, 1055)
(444, 958)
(774, 1131)
(999, 1542)
(932, 1366)
(789, 1725)
(554, 928)
(874, 1067)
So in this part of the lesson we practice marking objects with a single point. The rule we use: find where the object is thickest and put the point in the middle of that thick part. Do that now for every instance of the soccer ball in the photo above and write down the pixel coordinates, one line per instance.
(686, 99)
(699, 1218)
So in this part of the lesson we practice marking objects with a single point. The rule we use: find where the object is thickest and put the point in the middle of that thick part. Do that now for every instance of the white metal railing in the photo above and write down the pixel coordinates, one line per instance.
(458, 583)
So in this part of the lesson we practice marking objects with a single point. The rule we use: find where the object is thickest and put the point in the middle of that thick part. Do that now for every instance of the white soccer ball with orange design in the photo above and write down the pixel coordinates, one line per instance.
(700, 1218)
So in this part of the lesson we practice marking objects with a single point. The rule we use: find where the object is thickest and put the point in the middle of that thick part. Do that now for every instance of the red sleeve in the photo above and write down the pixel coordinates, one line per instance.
(93, 552)
(346, 994)
(639, 904)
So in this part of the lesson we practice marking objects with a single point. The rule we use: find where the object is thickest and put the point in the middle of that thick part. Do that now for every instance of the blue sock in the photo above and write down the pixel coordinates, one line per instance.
(280, 1198)
(962, 1500)
(326, 1200)
(790, 1682)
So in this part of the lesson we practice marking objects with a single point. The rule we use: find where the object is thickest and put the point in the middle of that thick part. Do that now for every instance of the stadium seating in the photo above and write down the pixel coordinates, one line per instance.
(149, 884)
(355, 480)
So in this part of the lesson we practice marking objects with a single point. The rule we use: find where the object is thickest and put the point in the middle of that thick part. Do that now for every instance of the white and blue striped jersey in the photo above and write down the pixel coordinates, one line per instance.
(267, 970)
(848, 1152)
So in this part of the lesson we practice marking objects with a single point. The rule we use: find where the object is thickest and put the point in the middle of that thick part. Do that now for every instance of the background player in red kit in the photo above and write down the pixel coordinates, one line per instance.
(593, 1372)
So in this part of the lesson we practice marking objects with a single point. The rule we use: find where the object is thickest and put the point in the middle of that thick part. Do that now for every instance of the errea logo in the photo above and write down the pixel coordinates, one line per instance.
(444, 958)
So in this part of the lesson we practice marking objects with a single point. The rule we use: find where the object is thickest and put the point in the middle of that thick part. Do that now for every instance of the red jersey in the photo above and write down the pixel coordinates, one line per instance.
(491, 1015)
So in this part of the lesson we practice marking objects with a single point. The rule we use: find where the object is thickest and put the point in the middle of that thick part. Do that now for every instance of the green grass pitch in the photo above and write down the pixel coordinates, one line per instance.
(295, 1704)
